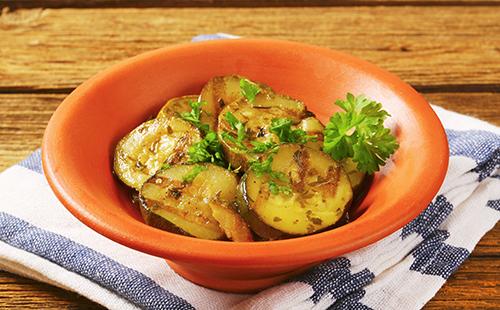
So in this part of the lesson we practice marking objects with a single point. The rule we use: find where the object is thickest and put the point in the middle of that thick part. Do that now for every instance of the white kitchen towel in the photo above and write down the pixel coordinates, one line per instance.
(40, 239)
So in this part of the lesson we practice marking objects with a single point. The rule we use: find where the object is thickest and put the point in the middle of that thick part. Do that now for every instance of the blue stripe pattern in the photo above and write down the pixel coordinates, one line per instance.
(33, 161)
(432, 256)
(335, 278)
(126, 282)
(482, 146)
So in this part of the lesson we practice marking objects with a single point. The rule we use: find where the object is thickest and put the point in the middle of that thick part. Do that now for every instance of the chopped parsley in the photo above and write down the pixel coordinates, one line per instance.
(282, 127)
(359, 132)
(207, 150)
(275, 188)
(191, 175)
(240, 130)
(165, 166)
(193, 116)
(264, 168)
(249, 89)
(262, 147)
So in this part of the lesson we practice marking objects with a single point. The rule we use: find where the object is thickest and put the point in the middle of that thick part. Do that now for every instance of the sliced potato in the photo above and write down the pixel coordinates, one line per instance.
(141, 153)
(257, 123)
(313, 127)
(201, 207)
(254, 222)
(355, 176)
(233, 225)
(321, 191)
(223, 90)
(179, 105)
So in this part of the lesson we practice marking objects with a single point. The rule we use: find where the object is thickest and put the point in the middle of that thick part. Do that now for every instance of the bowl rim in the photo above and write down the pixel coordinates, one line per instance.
(305, 249)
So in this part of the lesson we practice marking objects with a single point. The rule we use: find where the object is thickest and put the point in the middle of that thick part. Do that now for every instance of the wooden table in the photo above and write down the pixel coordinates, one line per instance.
(448, 50)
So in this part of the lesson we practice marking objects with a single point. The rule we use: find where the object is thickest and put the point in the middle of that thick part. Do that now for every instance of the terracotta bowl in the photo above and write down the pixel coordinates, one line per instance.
(81, 136)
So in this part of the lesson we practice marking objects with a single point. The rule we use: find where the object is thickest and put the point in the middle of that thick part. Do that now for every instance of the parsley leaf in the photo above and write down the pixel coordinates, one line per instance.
(264, 167)
(275, 188)
(249, 89)
(359, 132)
(262, 147)
(165, 166)
(207, 150)
(193, 116)
(191, 175)
(240, 129)
(282, 127)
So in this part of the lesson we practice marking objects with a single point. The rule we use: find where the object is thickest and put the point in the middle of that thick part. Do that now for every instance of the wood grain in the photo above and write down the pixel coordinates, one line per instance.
(20, 293)
(23, 118)
(447, 49)
(231, 3)
(436, 47)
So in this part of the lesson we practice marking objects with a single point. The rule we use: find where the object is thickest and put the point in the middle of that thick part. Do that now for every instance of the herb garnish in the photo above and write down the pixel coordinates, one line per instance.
(193, 116)
(207, 150)
(264, 168)
(189, 177)
(359, 132)
(237, 125)
(165, 166)
(249, 89)
(282, 127)
(262, 147)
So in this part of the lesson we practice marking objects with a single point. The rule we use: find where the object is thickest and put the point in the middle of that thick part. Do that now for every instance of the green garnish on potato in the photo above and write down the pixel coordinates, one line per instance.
(241, 162)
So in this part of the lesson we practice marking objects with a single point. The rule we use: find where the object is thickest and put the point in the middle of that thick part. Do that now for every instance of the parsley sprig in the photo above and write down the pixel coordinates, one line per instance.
(263, 167)
(194, 115)
(359, 132)
(249, 89)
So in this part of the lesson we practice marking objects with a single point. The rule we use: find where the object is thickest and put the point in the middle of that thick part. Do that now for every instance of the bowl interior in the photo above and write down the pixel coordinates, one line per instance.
(80, 139)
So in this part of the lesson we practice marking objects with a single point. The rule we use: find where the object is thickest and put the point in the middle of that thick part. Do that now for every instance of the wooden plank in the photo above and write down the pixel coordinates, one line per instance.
(232, 3)
(452, 47)
(20, 293)
(23, 118)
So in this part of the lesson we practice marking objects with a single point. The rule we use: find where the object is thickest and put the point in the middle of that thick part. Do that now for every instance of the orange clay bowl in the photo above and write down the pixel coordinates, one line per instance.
(80, 139)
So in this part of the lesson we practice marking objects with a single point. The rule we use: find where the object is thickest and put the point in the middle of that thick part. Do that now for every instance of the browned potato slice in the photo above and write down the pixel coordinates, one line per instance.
(231, 223)
(200, 206)
(256, 225)
(141, 153)
(223, 90)
(355, 176)
(321, 191)
(257, 123)
(313, 127)
(178, 105)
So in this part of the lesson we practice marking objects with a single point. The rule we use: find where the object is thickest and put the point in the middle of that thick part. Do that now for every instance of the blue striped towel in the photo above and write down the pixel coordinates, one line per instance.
(40, 239)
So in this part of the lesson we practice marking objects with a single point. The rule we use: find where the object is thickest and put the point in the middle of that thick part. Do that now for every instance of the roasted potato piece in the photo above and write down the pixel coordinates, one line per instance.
(176, 106)
(355, 176)
(141, 153)
(257, 122)
(201, 205)
(223, 90)
(254, 222)
(233, 225)
(313, 127)
(320, 191)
